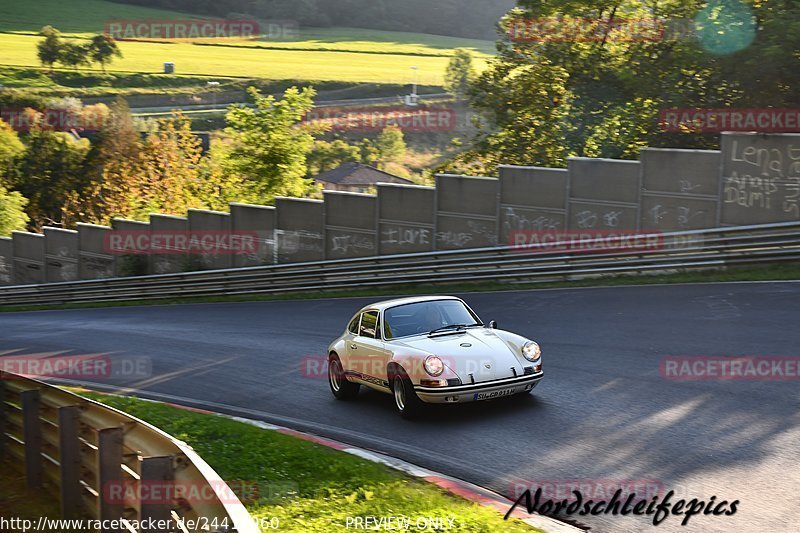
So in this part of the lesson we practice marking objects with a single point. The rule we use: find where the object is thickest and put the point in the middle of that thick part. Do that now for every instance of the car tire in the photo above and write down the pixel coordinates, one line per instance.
(341, 388)
(406, 401)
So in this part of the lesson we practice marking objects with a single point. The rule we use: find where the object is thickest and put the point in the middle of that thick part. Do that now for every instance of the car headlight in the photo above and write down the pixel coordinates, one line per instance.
(531, 351)
(434, 366)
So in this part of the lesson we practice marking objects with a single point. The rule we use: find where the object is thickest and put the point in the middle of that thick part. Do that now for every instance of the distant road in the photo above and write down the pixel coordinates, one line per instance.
(202, 109)
(603, 413)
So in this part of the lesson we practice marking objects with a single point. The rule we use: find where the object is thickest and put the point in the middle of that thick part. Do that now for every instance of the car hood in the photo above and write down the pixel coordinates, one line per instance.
(478, 352)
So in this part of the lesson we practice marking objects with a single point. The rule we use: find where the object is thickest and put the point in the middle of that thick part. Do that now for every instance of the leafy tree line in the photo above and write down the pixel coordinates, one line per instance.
(543, 100)
(54, 49)
(55, 178)
(462, 18)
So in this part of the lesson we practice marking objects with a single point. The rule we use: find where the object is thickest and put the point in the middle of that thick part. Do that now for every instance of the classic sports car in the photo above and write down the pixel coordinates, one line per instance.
(430, 349)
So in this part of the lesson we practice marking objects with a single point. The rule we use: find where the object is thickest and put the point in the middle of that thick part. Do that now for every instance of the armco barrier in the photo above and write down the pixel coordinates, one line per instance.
(687, 250)
(73, 448)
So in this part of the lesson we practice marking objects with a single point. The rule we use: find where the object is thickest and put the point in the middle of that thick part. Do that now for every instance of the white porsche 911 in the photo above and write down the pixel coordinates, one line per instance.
(431, 349)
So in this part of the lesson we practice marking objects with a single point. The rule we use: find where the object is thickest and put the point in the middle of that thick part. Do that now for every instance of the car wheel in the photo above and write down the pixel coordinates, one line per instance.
(340, 387)
(406, 400)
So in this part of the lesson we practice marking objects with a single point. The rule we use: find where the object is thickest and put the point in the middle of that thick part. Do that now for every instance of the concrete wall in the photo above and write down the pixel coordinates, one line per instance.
(61, 254)
(760, 178)
(131, 264)
(406, 218)
(532, 199)
(258, 220)
(6, 261)
(350, 222)
(300, 230)
(28, 258)
(166, 258)
(754, 179)
(604, 194)
(679, 189)
(95, 261)
(466, 211)
(213, 224)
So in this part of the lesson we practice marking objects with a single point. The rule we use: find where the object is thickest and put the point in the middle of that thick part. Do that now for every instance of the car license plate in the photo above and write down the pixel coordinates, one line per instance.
(493, 394)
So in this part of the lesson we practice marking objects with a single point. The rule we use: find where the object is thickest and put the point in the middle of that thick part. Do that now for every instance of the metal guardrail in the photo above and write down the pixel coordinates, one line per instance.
(80, 451)
(683, 250)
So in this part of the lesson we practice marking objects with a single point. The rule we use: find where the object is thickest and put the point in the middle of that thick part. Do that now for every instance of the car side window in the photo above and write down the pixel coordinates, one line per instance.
(353, 326)
(369, 323)
(387, 330)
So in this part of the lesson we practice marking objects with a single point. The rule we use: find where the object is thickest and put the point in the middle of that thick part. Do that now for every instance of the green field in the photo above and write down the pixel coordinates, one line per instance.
(316, 54)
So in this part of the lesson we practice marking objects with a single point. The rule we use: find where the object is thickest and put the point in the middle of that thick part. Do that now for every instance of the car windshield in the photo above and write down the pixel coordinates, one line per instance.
(425, 317)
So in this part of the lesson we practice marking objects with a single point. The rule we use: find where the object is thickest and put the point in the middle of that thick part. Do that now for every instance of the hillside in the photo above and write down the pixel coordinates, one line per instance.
(349, 55)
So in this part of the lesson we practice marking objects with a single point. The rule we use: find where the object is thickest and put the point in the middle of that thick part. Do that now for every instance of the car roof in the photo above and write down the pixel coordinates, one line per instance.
(386, 304)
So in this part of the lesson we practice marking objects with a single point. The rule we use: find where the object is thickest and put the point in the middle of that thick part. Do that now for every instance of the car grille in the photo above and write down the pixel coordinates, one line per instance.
(528, 370)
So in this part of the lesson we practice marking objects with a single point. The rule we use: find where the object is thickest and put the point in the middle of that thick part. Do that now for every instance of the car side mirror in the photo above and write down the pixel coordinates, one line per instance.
(493, 324)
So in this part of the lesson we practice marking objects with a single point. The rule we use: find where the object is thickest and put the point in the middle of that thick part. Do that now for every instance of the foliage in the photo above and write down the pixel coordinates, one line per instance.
(53, 49)
(103, 49)
(390, 145)
(269, 143)
(460, 72)
(549, 97)
(327, 155)
(12, 211)
(48, 172)
(10, 149)
(49, 50)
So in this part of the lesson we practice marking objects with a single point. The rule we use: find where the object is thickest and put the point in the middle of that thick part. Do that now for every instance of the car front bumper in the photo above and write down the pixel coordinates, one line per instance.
(478, 391)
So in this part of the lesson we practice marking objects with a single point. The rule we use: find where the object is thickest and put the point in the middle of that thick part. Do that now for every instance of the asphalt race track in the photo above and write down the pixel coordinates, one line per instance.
(603, 413)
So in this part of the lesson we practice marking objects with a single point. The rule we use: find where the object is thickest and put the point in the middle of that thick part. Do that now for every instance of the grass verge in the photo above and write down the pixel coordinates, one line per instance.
(783, 272)
(306, 486)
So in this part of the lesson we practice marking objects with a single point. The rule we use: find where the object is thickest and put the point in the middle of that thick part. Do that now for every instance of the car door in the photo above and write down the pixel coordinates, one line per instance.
(367, 355)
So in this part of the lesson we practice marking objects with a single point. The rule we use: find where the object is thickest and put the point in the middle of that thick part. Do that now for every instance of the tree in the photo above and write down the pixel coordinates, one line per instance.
(103, 49)
(12, 211)
(52, 167)
(459, 73)
(50, 49)
(170, 169)
(114, 164)
(329, 155)
(567, 91)
(10, 149)
(390, 145)
(269, 143)
(74, 55)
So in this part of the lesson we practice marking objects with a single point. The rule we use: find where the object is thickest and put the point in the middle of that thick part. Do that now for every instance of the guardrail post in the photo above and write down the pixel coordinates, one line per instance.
(109, 474)
(3, 415)
(158, 471)
(70, 460)
(32, 433)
